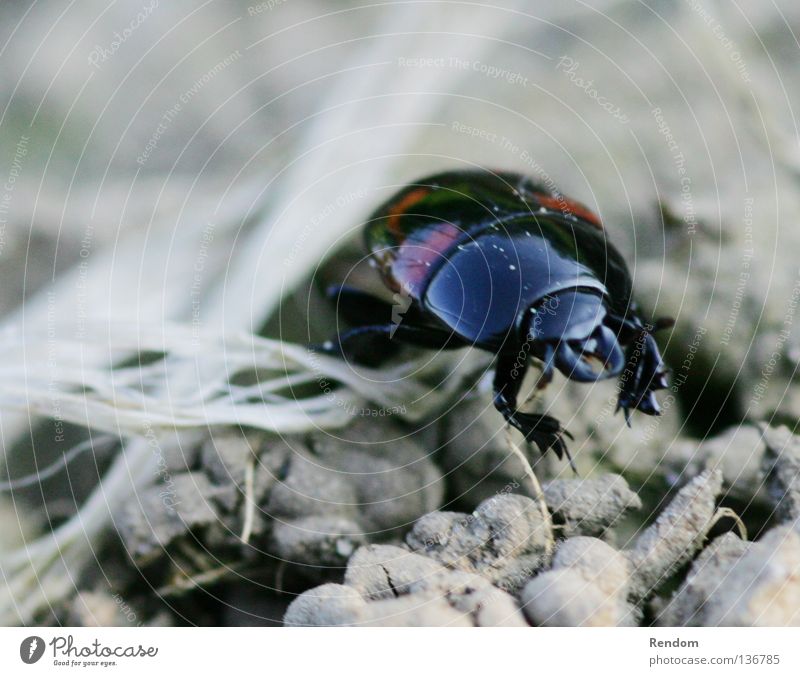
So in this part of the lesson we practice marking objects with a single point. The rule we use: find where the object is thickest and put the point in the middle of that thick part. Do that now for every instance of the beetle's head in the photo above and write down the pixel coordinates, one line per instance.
(572, 330)
(568, 331)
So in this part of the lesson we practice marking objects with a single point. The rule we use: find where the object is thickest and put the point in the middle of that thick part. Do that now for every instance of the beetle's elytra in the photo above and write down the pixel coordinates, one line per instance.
(500, 263)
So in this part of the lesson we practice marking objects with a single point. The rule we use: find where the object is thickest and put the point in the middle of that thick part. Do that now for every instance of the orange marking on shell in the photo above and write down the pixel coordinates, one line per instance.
(402, 206)
(566, 205)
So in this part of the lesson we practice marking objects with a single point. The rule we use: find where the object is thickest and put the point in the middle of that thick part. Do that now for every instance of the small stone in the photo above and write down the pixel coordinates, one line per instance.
(706, 578)
(762, 587)
(505, 539)
(415, 610)
(309, 489)
(589, 506)
(473, 594)
(317, 540)
(563, 598)
(513, 525)
(386, 571)
(677, 534)
(445, 537)
(225, 457)
(782, 468)
(389, 471)
(165, 512)
(515, 539)
(597, 562)
(513, 573)
(325, 606)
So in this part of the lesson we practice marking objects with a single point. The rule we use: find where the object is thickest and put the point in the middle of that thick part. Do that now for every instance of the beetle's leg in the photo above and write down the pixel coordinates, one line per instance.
(644, 374)
(368, 342)
(644, 371)
(359, 308)
(372, 344)
(543, 430)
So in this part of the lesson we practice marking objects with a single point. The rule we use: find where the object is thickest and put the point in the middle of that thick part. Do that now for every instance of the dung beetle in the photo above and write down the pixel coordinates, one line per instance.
(495, 261)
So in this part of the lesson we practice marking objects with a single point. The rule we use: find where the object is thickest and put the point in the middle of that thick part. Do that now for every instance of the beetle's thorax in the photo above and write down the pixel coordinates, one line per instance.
(483, 286)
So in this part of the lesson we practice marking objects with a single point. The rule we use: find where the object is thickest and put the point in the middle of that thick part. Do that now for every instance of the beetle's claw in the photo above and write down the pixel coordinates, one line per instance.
(544, 431)
(626, 411)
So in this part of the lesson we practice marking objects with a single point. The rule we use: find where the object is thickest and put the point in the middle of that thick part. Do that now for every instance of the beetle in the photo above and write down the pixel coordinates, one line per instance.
(496, 261)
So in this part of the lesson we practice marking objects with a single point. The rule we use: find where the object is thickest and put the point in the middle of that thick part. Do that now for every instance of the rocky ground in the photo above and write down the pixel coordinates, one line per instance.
(315, 530)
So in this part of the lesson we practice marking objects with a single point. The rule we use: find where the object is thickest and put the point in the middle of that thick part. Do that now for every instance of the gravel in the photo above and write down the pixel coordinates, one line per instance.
(676, 536)
(589, 506)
